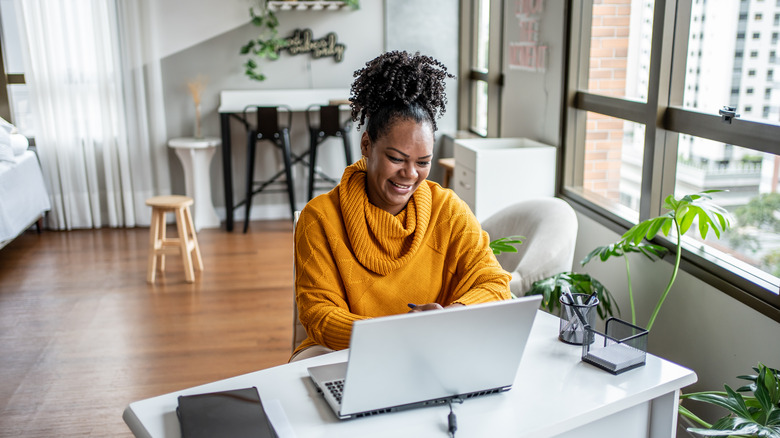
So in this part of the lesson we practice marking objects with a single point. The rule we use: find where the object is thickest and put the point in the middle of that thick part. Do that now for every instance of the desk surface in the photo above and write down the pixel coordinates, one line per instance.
(554, 393)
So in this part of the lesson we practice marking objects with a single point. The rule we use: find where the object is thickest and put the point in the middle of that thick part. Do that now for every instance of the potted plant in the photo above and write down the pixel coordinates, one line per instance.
(551, 287)
(683, 212)
(754, 414)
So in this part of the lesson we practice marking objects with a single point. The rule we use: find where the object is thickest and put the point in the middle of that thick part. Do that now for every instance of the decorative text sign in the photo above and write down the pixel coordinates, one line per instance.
(526, 53)
(302, 42)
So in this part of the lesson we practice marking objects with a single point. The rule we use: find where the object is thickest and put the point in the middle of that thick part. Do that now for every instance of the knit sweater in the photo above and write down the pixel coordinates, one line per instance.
(356, 261)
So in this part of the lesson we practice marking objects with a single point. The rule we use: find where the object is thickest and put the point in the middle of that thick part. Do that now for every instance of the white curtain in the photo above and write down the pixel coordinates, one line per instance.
(100, 134)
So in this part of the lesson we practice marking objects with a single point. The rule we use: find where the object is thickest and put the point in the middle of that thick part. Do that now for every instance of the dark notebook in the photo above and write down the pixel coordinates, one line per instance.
(230, 414)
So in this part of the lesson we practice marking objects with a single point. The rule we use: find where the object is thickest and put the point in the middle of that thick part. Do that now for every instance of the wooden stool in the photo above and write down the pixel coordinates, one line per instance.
(185, 244)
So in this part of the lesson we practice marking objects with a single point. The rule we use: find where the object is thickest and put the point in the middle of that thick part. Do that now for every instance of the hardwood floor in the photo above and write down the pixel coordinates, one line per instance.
(82, 334)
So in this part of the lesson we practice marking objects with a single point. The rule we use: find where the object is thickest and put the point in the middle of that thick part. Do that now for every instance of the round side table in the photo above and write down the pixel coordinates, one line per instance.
(195, 155)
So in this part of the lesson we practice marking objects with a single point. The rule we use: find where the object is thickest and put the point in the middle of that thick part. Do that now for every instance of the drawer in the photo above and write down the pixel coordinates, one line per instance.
(465, 156)
(464, 183)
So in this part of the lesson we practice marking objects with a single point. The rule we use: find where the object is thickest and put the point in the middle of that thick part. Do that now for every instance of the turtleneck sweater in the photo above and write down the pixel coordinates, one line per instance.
(356, 261)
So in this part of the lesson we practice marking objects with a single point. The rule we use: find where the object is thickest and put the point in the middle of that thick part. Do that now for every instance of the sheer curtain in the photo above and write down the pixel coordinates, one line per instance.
(101, 139)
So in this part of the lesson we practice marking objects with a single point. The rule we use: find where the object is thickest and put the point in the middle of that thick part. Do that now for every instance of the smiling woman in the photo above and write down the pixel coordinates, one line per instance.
(386, 237)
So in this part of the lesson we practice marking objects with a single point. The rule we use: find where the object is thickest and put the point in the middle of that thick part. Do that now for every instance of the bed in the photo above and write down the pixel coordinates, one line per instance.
(23, 196)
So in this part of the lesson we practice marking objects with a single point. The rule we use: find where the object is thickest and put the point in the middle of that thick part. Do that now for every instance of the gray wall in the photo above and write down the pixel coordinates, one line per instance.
(431, 28)
(530, 101)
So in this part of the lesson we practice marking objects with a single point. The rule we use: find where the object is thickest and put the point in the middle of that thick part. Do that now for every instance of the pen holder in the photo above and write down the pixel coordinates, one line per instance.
(622, 347)
(572, 330)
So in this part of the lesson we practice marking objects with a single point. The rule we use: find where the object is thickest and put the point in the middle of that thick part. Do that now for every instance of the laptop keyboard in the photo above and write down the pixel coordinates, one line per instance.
(336, 388)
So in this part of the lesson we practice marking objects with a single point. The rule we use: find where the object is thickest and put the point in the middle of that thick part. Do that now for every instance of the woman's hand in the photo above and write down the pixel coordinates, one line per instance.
(424, 307)
(429, 306)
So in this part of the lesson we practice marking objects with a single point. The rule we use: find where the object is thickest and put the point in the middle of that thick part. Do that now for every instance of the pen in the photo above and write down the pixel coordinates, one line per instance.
(412, 306)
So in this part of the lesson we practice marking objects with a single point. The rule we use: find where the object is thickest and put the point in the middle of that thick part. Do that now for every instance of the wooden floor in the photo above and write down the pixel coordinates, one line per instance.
(82, 334)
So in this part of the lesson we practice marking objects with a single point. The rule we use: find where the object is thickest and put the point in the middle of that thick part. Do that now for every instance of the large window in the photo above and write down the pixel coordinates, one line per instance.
(481, 29)
(647, 82)
(14, 101)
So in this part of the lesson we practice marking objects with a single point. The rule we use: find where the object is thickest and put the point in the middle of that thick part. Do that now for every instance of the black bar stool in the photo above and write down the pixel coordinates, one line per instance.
(329, 126)
(267, 128)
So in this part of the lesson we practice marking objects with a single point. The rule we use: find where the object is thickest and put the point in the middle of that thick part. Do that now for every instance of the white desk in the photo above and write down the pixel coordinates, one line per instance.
(555, 394)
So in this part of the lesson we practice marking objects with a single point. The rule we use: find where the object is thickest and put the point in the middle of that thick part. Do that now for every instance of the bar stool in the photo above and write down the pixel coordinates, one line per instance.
(329, 126)
(185, 244)
(267, 128)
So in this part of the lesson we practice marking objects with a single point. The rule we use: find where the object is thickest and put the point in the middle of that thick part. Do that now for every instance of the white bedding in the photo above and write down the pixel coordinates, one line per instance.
(23, 196)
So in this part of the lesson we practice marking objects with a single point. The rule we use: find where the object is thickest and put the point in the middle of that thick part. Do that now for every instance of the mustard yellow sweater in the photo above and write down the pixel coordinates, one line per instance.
(356, 261)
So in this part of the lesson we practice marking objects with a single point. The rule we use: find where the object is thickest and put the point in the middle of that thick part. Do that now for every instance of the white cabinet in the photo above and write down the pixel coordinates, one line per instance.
(492, 173)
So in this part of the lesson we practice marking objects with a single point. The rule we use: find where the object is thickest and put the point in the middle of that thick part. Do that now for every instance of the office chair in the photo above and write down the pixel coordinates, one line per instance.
(268, 128)
(549, 226)
(329, 126)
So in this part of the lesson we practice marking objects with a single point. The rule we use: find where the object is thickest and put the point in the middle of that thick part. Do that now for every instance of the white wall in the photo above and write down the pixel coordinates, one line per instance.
(530, 100)
(181, 24)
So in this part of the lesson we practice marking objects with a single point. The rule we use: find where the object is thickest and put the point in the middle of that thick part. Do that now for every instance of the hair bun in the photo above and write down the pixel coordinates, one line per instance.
(397, 78)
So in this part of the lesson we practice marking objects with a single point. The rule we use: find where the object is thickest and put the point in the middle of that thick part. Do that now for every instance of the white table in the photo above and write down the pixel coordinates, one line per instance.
(554, 394)
(195, 155)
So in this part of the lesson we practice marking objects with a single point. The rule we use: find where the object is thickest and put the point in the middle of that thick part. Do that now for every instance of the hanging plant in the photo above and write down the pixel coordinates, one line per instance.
(265, 45)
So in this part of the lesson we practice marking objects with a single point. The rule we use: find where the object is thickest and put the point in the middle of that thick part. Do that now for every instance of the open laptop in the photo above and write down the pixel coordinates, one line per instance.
(427, 358)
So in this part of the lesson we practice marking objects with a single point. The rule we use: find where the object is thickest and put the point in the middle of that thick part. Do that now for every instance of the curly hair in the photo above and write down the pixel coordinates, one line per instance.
(397, 85)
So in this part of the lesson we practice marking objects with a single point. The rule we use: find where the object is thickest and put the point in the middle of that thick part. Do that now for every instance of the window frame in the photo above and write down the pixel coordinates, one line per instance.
(665, 119)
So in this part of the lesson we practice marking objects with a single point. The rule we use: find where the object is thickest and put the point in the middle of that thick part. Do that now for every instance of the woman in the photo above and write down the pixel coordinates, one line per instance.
(386, 239)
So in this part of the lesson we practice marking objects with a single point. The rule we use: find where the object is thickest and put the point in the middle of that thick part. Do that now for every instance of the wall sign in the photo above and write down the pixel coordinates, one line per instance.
(526, 53)
(301, 42)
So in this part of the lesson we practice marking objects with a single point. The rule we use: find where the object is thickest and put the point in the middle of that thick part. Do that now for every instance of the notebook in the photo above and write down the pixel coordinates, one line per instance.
(427, 358)
(237, 413)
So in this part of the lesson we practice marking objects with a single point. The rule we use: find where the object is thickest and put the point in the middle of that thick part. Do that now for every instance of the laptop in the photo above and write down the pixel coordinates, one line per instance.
(428, 358)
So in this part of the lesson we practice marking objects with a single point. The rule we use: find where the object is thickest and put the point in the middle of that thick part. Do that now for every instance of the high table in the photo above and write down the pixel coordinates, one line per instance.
(554, 394)
(232, 104)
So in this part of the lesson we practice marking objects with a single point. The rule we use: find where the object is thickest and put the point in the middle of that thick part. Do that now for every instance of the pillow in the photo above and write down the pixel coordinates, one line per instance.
(9, 135)
(6, 151)
(19, 144)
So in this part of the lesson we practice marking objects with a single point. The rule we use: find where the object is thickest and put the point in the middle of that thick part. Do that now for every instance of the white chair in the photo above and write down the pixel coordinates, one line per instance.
(549, 226)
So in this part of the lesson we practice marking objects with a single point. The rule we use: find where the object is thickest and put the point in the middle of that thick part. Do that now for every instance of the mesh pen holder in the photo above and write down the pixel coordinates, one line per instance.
(622, 347)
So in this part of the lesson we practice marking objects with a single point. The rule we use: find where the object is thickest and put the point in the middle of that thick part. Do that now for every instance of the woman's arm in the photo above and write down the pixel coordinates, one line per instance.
(478, 276)
(319, 290)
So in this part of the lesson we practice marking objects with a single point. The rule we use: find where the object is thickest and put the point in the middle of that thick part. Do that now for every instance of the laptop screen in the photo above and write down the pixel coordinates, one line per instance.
(410, 358)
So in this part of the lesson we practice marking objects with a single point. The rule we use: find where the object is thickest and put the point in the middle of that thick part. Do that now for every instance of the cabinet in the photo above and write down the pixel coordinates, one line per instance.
(492, 173)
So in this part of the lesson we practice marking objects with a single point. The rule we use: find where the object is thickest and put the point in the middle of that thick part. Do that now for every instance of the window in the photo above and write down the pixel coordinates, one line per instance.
(758, 17)
(480, 92)
(628, 145)
(14, 100)
(756, 35)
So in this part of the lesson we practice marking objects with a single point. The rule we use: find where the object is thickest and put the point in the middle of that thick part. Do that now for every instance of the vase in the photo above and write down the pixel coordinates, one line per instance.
(198, 133)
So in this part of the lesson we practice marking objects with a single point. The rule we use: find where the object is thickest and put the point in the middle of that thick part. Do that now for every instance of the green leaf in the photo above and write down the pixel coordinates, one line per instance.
(506, 244)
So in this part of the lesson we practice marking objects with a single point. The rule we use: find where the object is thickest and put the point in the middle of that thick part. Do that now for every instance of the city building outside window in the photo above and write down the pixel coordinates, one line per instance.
(642, 127)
